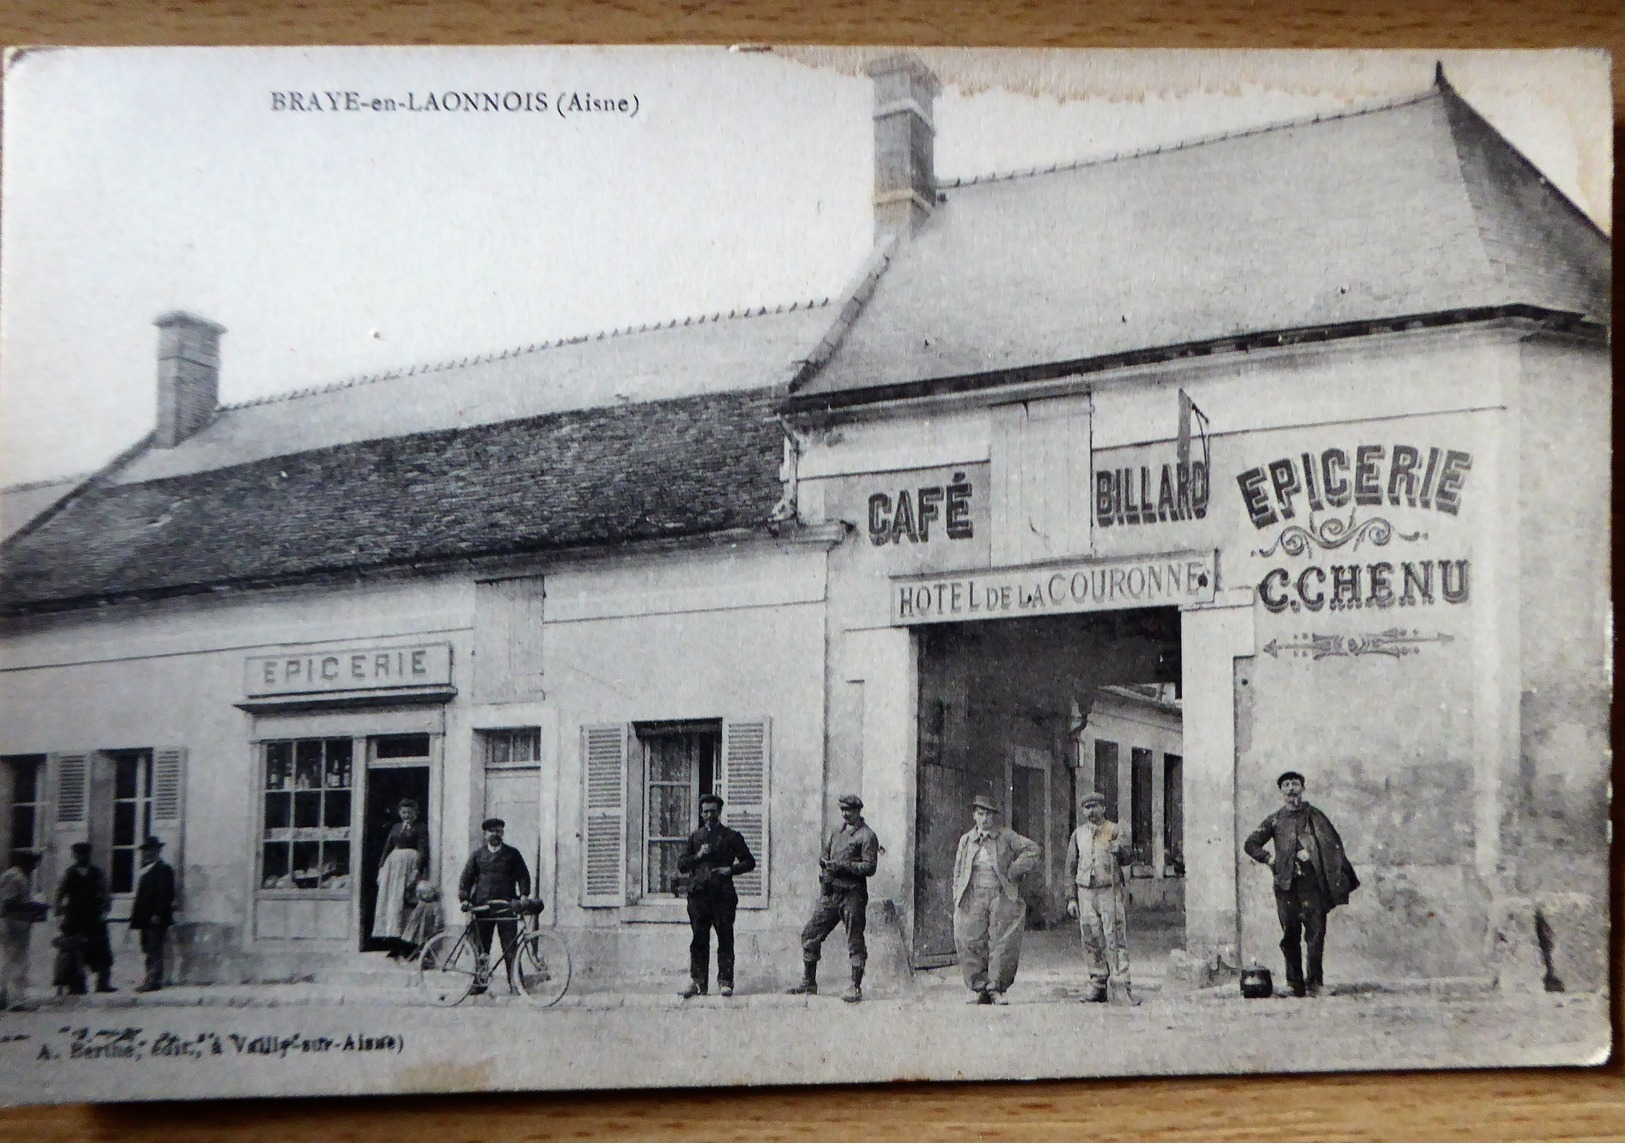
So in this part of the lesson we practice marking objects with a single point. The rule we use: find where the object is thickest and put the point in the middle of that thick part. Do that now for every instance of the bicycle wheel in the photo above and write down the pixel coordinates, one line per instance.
(544, 969)
(447, 969)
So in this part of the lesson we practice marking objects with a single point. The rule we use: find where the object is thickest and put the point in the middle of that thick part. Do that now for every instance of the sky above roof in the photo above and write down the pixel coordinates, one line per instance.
(337, 243)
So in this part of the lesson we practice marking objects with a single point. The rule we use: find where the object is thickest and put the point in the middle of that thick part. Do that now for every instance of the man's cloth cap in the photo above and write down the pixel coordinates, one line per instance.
(985, 802)
(850, 800)
(1289, 775)
(82, 848)
(493, 822)
(711, 798)
(1093, 798)
(152, 842)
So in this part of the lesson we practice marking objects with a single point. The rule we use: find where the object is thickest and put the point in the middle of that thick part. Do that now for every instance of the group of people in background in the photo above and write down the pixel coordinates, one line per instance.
(83, 945)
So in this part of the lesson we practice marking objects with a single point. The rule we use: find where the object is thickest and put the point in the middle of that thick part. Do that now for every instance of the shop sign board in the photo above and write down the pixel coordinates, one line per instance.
(1177, 579)
(347, 669)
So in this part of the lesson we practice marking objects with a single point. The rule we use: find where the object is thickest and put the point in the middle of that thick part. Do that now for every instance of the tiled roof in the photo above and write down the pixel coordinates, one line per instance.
(727, 351)
(24, 502)
(640, 472)
(1413, 208)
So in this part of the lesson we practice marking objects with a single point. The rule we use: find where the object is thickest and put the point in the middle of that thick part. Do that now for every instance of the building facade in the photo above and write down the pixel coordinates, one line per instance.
(1159, 475)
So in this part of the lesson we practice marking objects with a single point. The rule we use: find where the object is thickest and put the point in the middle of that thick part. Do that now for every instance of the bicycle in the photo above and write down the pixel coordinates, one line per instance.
(452, 965)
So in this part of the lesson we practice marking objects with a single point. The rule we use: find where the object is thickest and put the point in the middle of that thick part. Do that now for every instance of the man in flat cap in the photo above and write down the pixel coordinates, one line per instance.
(1312, 876)
(153, 911)
(715, 855)
(989, 912)
(850, 855)
(82, 901)
(1094, 859)
(495, 871)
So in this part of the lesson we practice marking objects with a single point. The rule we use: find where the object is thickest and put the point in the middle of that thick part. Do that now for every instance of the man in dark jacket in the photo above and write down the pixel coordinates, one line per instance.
(496, 871)
(154, 910)
(715, 855)
(82, 902)
(1312, 876)
(851, 855)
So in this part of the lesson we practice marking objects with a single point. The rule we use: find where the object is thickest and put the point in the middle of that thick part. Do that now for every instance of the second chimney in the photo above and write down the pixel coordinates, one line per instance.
(188, 375)
(905, 138)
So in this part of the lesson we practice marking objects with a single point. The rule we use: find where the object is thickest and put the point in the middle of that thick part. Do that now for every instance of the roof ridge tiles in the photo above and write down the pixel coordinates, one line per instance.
(1184, 145)
(351, 381)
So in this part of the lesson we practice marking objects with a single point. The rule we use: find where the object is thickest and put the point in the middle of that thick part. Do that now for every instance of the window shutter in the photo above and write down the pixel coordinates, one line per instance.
(71, 817)
(168, 803)
(745, 758)
(603, 835)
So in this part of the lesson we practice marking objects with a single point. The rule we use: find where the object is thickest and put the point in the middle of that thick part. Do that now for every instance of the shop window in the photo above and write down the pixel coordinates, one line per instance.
(512, 746)
(1106, 776)
(1140, 803)
(1173, 815)
(642, 785)
(308, 814)
(23, 787)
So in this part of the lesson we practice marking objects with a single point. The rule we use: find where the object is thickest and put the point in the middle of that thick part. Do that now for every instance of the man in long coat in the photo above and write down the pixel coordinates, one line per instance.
(82, 901)
(989, 912)
(1312, 876)
(153, 912)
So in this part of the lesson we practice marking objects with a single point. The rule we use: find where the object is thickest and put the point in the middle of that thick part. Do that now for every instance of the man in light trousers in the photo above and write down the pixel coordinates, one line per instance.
(989, 912)
(1095, 857)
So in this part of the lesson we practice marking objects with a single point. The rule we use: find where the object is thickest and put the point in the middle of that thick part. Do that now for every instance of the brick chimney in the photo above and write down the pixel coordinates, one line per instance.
(188, 375)
(905, 139)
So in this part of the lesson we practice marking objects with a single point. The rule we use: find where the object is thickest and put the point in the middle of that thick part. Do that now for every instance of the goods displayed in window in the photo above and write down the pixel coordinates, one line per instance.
(307, 816)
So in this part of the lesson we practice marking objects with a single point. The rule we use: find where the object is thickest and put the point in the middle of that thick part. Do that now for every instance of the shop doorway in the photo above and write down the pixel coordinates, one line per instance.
(1004, 711)
(398, 767)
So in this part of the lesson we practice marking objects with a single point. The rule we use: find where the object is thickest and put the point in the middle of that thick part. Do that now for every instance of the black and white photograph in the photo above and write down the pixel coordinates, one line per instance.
(599, 568)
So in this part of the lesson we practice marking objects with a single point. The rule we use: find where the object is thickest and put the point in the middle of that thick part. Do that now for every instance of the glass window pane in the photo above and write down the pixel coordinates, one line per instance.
(338, 754)
(278, 758)
(394, 748)
(336, 809)
(125, 776)
(669, 758)
(669, 812)
(274, 866)
(124, 823)
(335, 864)
(307, 771)
(498, 748)
(306, 863)
(278, 810)
(307, 810)
(123, 875)
(663, 858)
(24, 782)
(22, 827)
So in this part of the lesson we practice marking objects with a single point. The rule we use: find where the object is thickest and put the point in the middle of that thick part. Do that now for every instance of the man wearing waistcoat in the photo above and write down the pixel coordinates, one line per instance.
(715, 855)
(1094, 862)
(1312, 876)
(850, 856)
(989, 912)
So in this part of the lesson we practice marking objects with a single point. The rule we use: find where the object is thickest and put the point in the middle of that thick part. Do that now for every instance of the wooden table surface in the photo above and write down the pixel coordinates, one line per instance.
(1457, 1105)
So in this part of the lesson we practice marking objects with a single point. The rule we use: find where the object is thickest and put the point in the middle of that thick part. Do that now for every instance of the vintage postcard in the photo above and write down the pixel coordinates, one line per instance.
(597, 568)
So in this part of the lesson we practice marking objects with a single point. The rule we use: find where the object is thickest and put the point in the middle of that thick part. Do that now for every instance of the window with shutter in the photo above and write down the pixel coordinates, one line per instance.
(603, 868)
(168, 808)
(71, 772)
(746, 752)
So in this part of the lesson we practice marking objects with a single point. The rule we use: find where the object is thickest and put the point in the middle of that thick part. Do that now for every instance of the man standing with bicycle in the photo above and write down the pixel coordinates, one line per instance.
(715, 855)
(495, 872)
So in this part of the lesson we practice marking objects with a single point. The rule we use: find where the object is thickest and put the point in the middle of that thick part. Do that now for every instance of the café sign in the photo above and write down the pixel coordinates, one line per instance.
(347, 669)
(1052, 588)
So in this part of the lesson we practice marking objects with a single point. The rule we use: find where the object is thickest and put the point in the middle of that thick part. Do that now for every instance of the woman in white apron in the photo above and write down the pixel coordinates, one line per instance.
(406, 857)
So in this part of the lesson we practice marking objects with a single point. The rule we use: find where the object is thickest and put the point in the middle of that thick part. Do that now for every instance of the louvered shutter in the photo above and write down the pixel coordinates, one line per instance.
(746, 751)
(603, 835)
(168, 806)
(71, 818)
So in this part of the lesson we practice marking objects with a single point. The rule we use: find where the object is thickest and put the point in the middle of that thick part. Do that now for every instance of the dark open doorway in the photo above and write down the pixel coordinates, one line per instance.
(1001, 706)
(390, 779)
